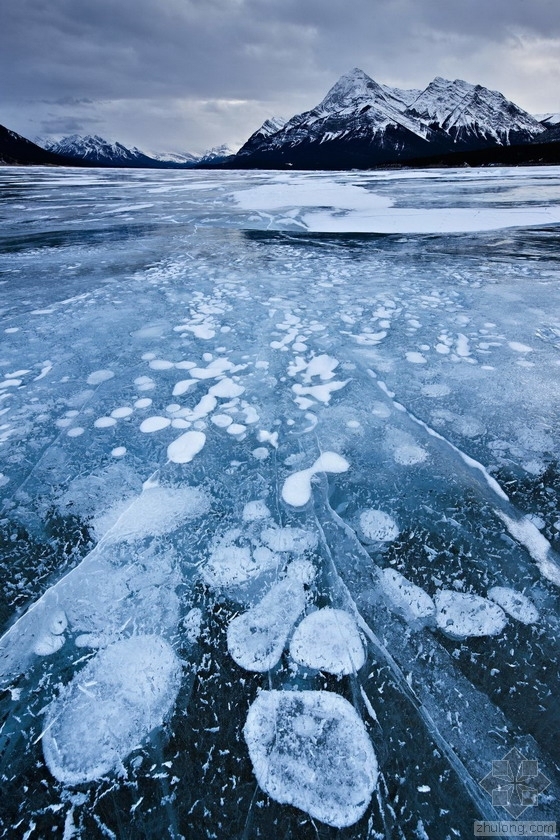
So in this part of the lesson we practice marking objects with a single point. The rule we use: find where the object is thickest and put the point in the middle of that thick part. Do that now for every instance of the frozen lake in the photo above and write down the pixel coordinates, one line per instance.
(281, 515)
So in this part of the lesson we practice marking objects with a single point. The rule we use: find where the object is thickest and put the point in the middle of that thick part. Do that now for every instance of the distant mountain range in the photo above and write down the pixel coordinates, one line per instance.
(360, 124)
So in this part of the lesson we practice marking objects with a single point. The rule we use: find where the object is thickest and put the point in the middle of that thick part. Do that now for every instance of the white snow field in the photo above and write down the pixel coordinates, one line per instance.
(280, 523)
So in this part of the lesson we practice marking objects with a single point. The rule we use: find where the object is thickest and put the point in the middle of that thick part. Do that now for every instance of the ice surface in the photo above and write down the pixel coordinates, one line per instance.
(328, 640)
(460, 615)
(310, 749)
(361, 420)
(109, 707)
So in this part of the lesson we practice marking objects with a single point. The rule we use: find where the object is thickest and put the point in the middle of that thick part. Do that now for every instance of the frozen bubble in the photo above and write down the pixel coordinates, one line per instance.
(415, 358)
(405, 597)
(154, 424)
(261, 453)
(159, 510)
(184, 448)
(183, 386)
(222, 421)
(408, 454)
(519, 348)
(109, 707)
(145, 402)
(435, 390)
(460, 615)
(295, 540)
(226, 389)
(47, 644)
(310, 749)
(515, 604)
(57, 622)
(99, 376)
(105, 422)
(255, 510)
(236, 429)
(230, 564)
(118, 451)
(161, 364)
(76, 431)
(257, 638)
(378, 526)
(297, 487)
(123, 411)
(328, 640)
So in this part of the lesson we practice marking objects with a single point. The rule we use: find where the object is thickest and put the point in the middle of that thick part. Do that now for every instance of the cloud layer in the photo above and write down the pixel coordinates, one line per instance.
(186, 74)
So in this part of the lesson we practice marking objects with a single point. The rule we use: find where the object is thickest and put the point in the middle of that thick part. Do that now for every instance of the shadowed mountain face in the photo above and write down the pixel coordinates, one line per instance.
(15, 149)
(361, 123)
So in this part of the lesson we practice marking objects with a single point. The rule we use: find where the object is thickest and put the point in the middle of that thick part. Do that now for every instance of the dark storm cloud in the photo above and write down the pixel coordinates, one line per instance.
(281, 53)
(242, 48)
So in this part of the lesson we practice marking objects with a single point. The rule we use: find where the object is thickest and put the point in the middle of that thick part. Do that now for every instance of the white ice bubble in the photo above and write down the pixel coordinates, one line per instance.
(154, 424)
(461, 615)
(183, 386)
(310, 749)
(378, 526)
(405, 597)
(236, 429)
(296, 490)
(123, 411)
(222, 421)
(409, 454)
(105, 422)
(161, 364)
(515, 604)
(99, 376)
(257, 638)
(328, 640)
(415, 358)
(260, 453)
(76, 431)
(145, 402)
(109, 707)
(295, 540)
(226, 389)
(519, 348)
(255, 511)
(231, 564)
(118, 451)
(184, 448)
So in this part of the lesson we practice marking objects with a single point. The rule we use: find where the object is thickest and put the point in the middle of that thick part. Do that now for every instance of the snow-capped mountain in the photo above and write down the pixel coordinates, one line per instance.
(97, 150)
(362, 123)
(217, 154)
(174, 157)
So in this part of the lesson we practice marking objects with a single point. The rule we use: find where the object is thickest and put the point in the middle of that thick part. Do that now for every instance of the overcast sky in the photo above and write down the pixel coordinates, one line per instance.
(184, 75)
